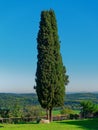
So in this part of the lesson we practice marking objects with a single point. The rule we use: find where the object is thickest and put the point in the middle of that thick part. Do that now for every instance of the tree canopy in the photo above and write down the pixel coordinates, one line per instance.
(51, 75)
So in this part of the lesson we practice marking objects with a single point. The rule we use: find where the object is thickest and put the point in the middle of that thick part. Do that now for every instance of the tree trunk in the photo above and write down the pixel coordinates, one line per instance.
(50, 115)
(47, 114)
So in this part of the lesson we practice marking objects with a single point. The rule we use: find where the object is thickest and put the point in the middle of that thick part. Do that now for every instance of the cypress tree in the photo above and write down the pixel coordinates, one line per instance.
(51, 75)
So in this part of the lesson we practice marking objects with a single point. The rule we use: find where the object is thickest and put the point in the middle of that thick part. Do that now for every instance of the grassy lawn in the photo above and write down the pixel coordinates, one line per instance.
(58, 112)
(61, 125)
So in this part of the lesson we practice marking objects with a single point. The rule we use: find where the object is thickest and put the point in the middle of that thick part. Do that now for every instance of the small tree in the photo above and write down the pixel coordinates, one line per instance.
(67, 111)
(16, 111)
(4, 112)
(51, 75)
(87, 108)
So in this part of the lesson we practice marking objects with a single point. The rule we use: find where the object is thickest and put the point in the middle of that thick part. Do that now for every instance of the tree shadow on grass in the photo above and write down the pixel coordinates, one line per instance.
(1, 126)
(89, 124)
(27, 123)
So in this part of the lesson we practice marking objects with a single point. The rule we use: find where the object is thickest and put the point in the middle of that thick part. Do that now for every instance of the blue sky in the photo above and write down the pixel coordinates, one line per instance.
(78, 32)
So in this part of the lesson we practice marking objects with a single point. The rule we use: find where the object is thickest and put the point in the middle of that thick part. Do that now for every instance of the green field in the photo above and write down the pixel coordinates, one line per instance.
(91, 124)
(58, 112)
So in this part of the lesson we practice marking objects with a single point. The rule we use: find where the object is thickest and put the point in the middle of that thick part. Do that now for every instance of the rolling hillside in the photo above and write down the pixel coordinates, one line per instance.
(8, 99)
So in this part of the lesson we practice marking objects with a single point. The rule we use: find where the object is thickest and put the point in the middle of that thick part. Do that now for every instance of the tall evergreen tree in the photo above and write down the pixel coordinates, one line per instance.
(51, 75)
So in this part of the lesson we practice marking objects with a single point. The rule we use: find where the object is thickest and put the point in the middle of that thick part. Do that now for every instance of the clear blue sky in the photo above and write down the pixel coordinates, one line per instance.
(78, 32)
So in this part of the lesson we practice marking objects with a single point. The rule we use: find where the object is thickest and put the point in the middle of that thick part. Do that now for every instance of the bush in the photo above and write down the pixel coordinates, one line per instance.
(67, 111)
(74, 116)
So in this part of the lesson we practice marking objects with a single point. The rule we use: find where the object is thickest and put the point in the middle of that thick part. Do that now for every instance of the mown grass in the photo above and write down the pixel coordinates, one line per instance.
(58, 112)
(91, 124)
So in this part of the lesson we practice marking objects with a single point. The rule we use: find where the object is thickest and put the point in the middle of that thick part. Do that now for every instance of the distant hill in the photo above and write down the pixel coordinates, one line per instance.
(9, 99)
(74, 99)
(82, 96)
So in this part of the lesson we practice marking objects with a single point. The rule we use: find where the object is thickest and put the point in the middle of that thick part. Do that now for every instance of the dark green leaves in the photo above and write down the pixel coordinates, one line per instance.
(51, 73)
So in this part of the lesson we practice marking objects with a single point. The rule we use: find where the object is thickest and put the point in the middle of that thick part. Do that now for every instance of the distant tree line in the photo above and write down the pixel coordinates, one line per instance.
(26, 105)
(19, 105)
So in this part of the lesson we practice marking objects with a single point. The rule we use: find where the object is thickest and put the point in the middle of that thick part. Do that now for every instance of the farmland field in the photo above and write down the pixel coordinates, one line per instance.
(91, 124)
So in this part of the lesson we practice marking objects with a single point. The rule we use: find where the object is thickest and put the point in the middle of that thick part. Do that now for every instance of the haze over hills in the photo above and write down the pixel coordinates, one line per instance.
(82, 92)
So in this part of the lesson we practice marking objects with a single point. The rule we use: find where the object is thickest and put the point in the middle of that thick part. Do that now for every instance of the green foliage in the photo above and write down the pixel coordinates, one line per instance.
(8, 100)
(74, 116)
(4, 112)
(70, 114)
(33, 111)
(67, 111)
(73, 99)
(19, 105)
(45, 62)
(51, 75)
(88, 108)
(25, 102)
(16, 110)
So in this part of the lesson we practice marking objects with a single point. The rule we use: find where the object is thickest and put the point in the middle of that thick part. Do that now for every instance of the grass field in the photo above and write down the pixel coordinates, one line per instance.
(91, 124)
(58, 112)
